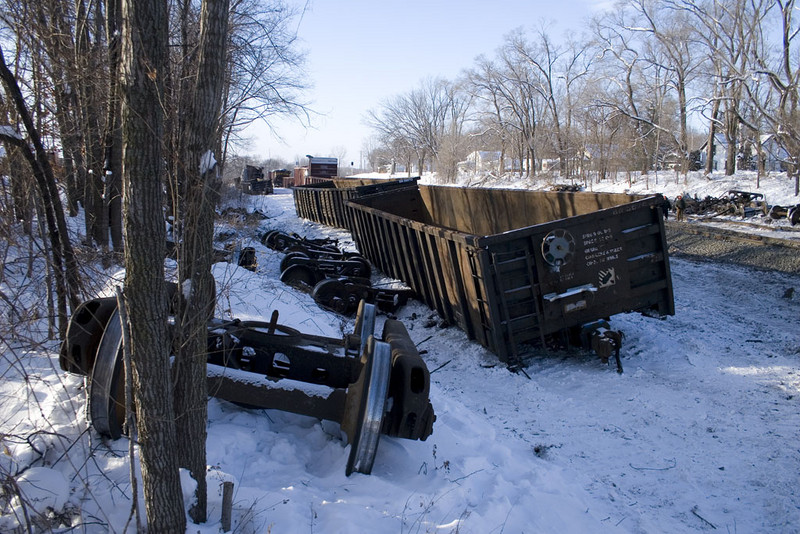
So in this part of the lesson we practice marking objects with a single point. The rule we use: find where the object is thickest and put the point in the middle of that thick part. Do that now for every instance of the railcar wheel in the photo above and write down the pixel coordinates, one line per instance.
(281, 241)
(84, 332)
(364, 270)
(267, 239)
(300, 277)
(794, 215)
(107, 388)
(365, 323)
(332, 294)
(374, 383)
(290, 259)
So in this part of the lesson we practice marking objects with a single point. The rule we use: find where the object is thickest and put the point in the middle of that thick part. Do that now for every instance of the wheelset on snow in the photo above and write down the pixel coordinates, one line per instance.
(260, 364)
(336, 280)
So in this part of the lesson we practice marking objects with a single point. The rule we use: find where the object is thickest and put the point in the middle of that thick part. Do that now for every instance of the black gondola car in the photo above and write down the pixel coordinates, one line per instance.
(510, 267)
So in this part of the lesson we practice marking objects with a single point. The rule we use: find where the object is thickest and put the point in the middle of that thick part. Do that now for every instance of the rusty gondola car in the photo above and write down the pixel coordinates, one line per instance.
(325, 202)
(510, 267)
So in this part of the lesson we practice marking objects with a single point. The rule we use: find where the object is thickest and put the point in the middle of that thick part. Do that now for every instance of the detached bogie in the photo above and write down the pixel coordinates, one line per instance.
(370, 385)
(343, 296)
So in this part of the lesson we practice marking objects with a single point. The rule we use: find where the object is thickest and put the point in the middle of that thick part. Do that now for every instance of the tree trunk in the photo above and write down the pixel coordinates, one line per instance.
(196, 251)
(56, 254)
(90, 102)
(45, 180)
(144, 61)
(65, 129)
(21, 199)
(731, 136)
(113, 136)
(684, 133)
(712, 131)
(56, 38)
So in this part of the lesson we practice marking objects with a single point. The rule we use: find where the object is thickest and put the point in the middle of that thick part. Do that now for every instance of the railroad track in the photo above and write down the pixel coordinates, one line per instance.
(698, 239)
(754, 223)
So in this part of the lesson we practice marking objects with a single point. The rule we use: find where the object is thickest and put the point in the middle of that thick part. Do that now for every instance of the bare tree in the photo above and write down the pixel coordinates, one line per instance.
(418, 121)
(144, 59)
(375, 153)
(109, 84)
(70, 44)
(452, 137)
(598, 132)
(67, 278)
(731, 33)
(782, 75)
(265, 75)
(759, 82)
(340, 153)
(484, 82)
(91, 71)
(112, 162)
(670, 46)
(59, 45)
(557, 70)
(656, 54)
(195, 250)
(522, 103)
(630, 94)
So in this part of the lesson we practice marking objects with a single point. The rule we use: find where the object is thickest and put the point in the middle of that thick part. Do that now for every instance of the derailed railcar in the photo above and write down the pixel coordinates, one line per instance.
(510, 267)
(325, 202)
(253, 181)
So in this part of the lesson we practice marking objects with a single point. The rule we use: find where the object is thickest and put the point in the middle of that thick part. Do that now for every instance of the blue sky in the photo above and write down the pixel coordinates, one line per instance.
(362, 52)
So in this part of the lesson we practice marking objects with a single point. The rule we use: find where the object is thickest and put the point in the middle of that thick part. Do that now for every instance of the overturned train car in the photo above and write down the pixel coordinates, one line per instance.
(510, 267)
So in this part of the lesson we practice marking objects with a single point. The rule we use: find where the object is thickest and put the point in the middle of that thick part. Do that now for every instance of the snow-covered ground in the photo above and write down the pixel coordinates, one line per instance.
(701, 433)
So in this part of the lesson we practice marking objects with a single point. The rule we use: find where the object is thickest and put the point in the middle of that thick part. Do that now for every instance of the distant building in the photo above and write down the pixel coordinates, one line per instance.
(483, 160)
(773, 154)
(317, 170)
(393, 168)
(488, 160)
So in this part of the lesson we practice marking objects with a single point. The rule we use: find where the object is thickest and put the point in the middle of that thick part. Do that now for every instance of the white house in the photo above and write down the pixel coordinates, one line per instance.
(488, 160)
(773, 153)
(483, 160)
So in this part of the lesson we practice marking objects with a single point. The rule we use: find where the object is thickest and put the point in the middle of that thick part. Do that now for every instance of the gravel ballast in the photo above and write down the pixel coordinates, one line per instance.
(700, 241)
